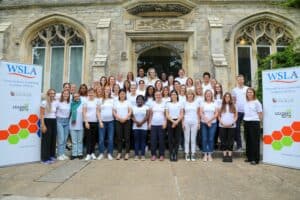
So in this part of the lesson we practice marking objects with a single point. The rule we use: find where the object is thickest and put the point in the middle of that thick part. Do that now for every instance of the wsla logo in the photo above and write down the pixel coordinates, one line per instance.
(283, 77)
(21, 70)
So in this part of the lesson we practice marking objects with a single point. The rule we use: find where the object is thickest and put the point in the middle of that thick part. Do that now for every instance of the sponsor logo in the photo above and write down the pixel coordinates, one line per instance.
(284, 114)
(21, 108)
(21, 70)
(20, 94)
(283, 77)
(282, 100)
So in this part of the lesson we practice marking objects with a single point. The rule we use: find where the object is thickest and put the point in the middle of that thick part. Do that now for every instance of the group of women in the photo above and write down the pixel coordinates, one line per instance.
(149, 108)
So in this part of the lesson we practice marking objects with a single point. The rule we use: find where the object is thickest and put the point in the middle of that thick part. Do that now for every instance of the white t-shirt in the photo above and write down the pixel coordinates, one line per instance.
(190, 112)
(79, 120)
(106, 110)
(209, 110)
(52, 113)
(140, 92)
(151, 82)
(122, 108)
(207, 87)
(227, 118)
(218, 101)
(252, 108)
(166, 99)
(174, 109)
(190, 88)
(200, 100)
(137, 79)
(131, 99)
(240, 95)
(182, 99)
(91, 109)
(182, 80)
(165, 84)
(83, 99)
(158, 114)
(63, 110)
(149, 102)
(139, 114)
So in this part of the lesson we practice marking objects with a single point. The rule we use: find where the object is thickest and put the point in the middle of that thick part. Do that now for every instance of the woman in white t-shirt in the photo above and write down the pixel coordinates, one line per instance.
(141, 90)
(90, 123)
(76, 127)
(106, 123)
(131, 97)
(252, 117)
(227, 123)
(209, 113)
(122, 112)
(174, 114)
(140, 115)
(48, 127)
(190, 124)
(165, 94)
(157, 122)
(115, 92)
(62, 119)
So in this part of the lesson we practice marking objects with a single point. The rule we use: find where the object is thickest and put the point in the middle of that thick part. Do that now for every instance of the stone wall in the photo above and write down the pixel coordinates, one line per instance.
(90, 12)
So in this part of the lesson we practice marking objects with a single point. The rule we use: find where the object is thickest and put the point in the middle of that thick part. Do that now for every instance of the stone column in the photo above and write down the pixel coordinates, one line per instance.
(217, 52)
(3, 30)
(102, 41)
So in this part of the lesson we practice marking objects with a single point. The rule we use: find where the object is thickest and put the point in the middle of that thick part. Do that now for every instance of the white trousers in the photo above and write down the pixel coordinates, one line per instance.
(190, 135)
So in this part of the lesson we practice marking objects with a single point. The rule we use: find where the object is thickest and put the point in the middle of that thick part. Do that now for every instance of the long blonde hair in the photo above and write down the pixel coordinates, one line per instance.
(49, 100)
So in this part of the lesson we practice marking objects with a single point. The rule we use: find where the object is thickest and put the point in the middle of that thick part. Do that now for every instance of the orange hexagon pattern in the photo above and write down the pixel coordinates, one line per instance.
(284, 137)
(15, 132)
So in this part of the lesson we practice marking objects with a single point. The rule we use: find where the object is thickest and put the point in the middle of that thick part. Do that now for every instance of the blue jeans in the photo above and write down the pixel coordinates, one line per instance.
(208, 137)
(139, 141)
(108, 127)
(77, 146)
(62, 134)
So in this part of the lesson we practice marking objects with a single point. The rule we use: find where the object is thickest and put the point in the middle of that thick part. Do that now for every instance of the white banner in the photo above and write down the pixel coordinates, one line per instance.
(281, 93)
(20, 86)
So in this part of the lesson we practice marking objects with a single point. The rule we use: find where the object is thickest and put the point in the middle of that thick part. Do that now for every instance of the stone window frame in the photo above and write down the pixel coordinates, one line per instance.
(250, 34)
(29, 32)
(58, 35)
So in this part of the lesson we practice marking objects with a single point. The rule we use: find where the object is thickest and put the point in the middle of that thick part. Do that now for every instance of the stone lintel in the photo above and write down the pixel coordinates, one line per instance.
(104, 23)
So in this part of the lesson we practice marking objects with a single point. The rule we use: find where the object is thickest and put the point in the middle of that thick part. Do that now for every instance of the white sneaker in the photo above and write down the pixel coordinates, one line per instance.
(205, 158)
(193, 158)
(88, 157)
(136, 158)
(100, 157)
(109, 156)
(65, 157)
(93, 156)
(61, 157)
(187, 157)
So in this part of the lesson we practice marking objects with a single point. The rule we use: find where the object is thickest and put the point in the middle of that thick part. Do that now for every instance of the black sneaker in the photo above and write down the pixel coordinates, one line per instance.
(80, 157)
(224, 158)
(229, 158)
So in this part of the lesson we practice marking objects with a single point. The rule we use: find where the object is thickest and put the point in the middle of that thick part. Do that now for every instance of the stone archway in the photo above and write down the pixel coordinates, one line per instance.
(162, 59)
(164, 56)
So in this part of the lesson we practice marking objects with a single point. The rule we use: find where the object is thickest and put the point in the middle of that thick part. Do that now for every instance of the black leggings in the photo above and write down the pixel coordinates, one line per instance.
(227, 138)
(48, 139)
(252, 131)
(91, 137)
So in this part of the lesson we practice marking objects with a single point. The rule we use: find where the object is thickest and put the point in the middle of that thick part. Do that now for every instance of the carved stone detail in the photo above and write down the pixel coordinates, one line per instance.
(177, 46)
(161, 9)
(159, 24)
(100, 60)
(215, 22)
(104, 23)
(219, 60)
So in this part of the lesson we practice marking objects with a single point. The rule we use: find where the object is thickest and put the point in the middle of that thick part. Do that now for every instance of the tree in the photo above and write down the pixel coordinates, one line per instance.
(292, 3)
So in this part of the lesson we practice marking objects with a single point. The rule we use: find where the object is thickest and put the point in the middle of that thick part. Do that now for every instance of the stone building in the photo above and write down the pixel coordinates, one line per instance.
(81, 40)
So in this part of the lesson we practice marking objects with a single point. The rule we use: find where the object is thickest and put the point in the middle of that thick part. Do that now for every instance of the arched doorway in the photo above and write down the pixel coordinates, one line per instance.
(162, 59)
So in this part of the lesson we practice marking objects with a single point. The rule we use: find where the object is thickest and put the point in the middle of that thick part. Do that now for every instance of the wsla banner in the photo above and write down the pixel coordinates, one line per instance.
(281, 93)
(20, 86)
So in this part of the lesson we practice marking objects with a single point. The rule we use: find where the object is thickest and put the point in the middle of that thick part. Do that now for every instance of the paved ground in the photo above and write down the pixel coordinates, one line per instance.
(148, 180)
